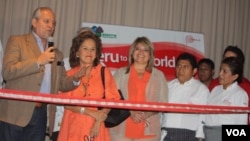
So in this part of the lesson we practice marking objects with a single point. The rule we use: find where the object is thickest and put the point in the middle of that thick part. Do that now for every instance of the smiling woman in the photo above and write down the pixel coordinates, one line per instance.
(80, 122)
(140, 81)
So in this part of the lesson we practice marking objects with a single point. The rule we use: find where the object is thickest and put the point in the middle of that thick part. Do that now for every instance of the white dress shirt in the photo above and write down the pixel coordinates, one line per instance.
(191, 92)
(233, 95)
(46, 83)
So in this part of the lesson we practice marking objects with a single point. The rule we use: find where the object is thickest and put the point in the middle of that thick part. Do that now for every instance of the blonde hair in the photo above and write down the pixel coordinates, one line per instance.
(145, 41)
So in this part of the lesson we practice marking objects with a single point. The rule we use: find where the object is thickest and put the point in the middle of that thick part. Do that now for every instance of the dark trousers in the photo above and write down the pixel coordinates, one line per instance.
(175, 134)
(213, 133)
(34, 131)
(54, 136)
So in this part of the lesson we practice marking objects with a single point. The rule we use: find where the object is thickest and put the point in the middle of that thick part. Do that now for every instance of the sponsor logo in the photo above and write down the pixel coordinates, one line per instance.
(100, 32)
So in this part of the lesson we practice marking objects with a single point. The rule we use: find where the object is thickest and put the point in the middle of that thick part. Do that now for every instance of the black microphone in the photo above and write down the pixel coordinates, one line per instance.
(50, 42)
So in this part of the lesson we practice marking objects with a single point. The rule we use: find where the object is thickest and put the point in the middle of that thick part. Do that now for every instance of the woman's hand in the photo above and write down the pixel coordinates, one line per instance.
(99, 116)
(141, 116)
(138, 116)
(75, 109)
(81, 73)
(95, 129)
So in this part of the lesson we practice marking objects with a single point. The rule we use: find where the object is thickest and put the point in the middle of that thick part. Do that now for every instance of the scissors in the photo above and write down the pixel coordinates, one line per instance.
(88, 138)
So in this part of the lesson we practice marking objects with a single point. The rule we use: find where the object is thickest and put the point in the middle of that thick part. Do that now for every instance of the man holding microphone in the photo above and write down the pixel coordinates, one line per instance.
(29, 65)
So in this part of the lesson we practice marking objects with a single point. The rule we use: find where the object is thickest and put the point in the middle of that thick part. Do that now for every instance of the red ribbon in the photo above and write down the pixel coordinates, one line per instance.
(126, 104)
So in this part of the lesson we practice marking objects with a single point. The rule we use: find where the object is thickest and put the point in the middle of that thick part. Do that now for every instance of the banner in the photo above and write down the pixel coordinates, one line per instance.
(168, 45)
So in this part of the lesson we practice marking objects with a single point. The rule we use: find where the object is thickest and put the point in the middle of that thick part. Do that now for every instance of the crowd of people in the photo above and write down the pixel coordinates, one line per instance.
(29, 64)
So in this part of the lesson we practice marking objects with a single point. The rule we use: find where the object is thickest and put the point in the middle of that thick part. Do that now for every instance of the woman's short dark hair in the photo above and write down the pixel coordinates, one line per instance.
(235, 66)
(76, 43)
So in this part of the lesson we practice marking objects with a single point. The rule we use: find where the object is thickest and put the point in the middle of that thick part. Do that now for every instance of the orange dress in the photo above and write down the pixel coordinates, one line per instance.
(136, 92)
(75, 125)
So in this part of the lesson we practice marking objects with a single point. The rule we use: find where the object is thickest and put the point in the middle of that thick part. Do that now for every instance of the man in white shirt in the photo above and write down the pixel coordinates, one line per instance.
(185, 90)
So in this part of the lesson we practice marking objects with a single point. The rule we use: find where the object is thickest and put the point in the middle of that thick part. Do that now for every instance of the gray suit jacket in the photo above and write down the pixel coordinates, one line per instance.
(21, 72)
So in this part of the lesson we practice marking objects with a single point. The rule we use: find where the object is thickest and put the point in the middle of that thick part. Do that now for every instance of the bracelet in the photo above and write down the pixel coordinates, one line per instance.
(82, 110)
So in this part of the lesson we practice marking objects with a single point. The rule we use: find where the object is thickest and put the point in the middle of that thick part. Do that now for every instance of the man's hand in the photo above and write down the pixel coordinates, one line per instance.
(47, 57)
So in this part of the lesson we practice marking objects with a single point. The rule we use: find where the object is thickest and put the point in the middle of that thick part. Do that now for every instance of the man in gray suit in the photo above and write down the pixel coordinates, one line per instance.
(29, 65)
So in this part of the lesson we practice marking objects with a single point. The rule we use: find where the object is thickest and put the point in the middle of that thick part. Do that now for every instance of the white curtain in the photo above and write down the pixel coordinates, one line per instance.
(223, 22)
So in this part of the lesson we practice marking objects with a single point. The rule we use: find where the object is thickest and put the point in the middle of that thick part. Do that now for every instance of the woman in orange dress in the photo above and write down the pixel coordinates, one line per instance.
(140, 81)
(81, 122)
